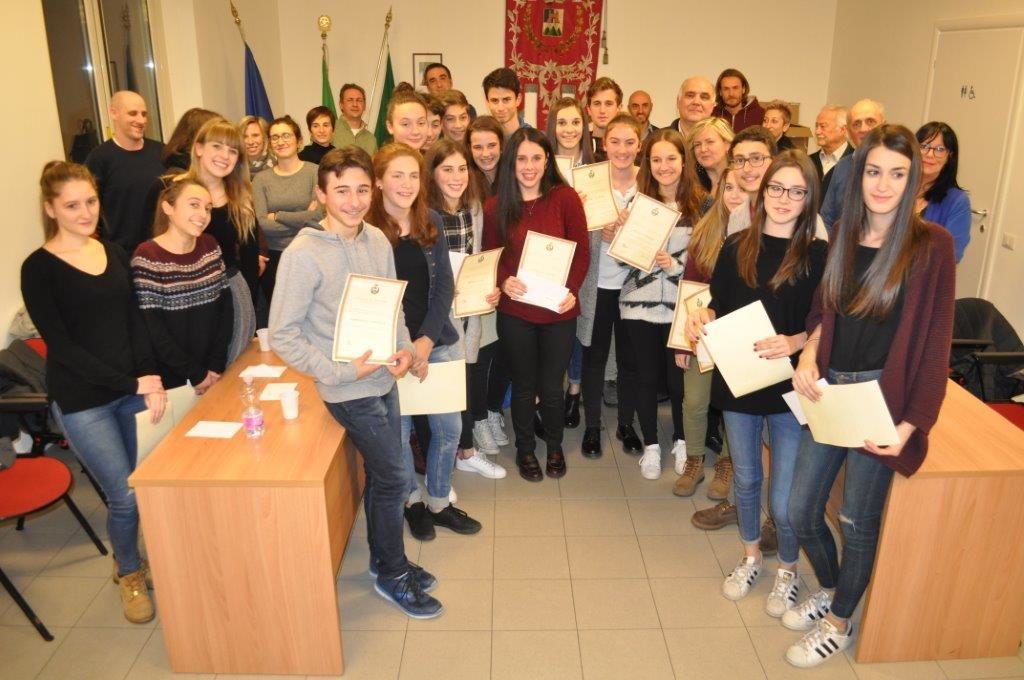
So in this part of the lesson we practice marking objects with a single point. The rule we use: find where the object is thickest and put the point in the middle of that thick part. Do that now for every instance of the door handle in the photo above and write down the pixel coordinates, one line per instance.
(983, 213)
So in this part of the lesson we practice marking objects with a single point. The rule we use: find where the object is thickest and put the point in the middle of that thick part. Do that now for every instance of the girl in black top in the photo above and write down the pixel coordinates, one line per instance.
(100, 369)
(777, 262)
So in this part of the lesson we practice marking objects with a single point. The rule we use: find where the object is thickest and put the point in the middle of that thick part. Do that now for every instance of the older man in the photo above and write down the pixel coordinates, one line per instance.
(830, 133)
(865, 116)
(694, 102)
(125, 167)
(640, 105)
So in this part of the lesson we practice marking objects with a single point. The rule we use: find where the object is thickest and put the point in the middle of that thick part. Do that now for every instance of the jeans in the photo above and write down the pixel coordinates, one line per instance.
(784, 435)
(536, 354)
(445, 429)
(866, 488)
(575, 370)
(654, 359)
(696, 411)
(374, 425)
(105, 440)
(607, 322)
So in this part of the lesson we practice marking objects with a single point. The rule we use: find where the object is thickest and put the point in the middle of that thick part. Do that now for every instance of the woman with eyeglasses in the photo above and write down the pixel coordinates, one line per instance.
(778, 262)
(284, 197)
(940, 199)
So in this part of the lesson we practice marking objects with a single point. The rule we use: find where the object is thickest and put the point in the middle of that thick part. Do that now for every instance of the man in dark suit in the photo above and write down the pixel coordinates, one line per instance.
(830, 133)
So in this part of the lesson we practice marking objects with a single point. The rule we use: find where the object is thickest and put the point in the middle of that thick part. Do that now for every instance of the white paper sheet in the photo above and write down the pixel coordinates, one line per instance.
(793, 402)
(273, 391)
(847, 415)
(456, 259)
(730, 342)
(214, 429)
(541, 292)
(443, 391)
(149, 435)
(262, 371)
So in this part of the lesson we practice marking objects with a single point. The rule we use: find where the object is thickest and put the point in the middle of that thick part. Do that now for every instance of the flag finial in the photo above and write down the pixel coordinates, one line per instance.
(324, 24)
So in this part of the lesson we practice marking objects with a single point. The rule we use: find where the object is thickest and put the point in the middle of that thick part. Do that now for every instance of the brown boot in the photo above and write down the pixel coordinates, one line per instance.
(135, 601)
(716, 517)
(693, 474)
(769, 538)
(718, 490)
(144, 568)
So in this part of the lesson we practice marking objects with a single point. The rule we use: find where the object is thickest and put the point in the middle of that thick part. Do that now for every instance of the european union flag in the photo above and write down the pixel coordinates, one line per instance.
(256, 101)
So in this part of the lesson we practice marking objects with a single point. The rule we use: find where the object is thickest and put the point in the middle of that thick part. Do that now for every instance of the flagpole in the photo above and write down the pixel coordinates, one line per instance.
(380, 57)
(238, 20)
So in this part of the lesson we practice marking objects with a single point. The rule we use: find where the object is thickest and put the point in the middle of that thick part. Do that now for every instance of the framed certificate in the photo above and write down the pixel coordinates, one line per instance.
(595, 180)
(677, 333)
(475, 281)
(644, 233)
(564, 165)
(368, 319)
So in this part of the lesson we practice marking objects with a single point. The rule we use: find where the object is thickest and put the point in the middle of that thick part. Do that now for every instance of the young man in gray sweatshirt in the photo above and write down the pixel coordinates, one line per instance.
(362, 397)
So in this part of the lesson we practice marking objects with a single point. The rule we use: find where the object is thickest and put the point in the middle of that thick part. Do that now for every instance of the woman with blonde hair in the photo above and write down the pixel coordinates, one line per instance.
(256, 136)
(709, 139)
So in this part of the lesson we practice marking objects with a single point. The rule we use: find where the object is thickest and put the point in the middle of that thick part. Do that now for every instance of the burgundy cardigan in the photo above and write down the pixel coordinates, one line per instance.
(914, 376)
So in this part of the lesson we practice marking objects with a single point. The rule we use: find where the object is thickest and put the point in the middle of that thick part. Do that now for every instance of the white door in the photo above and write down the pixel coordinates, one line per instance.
(975, 72)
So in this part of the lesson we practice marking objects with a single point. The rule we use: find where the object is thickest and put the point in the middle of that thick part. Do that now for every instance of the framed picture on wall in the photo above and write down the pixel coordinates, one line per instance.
(420, 61)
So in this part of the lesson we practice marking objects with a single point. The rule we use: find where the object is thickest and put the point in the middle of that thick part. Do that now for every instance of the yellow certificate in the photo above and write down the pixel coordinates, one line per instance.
(730, 341)
(442, 391)
(677, 333)
(847, 415)
(595, 180)
(644, 233)
(368, 319)
(564, 165)
(544, 269)
(474, 282)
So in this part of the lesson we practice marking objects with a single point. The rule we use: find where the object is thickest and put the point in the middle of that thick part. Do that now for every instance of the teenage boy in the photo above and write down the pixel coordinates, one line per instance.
(350, 128)
(604, 99)
(362, 397)
(503, 95)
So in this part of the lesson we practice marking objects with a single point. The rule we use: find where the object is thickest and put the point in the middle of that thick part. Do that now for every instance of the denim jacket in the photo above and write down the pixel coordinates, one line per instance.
(437, 324)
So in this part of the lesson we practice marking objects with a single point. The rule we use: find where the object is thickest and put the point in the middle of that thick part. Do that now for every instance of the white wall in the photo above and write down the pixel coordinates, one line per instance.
(28, 151)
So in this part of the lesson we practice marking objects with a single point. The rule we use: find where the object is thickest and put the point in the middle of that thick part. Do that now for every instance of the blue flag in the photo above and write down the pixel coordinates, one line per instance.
(256, 101)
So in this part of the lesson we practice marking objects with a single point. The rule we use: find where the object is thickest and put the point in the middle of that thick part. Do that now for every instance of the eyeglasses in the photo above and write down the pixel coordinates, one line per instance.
(937, 151)
(755, 161)
(795, 193)
(283, 137)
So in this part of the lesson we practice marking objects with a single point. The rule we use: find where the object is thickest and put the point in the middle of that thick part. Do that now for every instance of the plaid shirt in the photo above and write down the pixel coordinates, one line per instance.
(458, 229)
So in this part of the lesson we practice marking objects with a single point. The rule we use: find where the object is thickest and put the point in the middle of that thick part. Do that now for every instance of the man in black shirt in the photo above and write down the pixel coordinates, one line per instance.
(125, 166)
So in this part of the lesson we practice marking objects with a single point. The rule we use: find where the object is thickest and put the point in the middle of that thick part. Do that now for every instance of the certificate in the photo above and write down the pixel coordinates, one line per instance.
(595, 180)
(730, 342)
(475, 281)
(544, 269)
(443, 390)
(677, 333)
(564, 165)
(644, 233)
(847, 415)
(368, 319)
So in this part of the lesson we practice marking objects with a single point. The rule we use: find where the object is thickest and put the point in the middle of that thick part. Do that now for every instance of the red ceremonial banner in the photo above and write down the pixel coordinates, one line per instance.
(553, 44)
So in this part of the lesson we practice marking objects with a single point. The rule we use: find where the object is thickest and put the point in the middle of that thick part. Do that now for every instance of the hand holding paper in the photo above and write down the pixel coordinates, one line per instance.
(850, 415)
(730, 341)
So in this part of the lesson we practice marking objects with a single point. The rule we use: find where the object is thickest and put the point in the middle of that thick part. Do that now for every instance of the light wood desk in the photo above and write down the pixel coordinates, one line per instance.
(245, 537)
(948, 581)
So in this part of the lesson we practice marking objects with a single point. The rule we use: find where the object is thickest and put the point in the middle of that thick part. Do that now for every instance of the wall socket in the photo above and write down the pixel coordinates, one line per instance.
(1010, 241)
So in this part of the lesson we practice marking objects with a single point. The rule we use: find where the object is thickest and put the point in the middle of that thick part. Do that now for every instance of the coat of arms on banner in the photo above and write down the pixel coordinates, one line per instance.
(553, 44)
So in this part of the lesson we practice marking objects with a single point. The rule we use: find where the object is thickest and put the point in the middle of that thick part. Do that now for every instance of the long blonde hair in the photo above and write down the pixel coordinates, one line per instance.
(710, 231)
(237, 186)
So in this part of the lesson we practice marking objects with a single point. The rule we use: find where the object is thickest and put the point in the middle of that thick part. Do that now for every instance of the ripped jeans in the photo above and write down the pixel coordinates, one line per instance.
(866, 488)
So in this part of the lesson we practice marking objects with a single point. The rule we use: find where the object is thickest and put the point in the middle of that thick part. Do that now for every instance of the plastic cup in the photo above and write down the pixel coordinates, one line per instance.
(290, 405)
(264, 337)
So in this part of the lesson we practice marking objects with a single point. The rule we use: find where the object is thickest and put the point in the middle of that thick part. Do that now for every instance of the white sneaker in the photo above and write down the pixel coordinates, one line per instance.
(738, 583)
(483, 439)
(784, 593)
(496, 421)
(481, 466)
(809, 612)
(819, 645)
(650, 462)
(679, 451)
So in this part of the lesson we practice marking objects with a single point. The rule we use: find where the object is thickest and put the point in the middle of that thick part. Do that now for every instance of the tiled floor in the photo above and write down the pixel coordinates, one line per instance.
(598, 575)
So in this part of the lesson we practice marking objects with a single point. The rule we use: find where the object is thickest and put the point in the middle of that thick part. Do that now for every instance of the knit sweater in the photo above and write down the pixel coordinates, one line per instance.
(288, 196)
(751, 114)
(186, 304)
(652, 297)
(915, 373)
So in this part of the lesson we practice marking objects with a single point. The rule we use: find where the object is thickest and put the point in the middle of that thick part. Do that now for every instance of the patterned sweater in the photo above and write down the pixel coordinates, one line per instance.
(187, 308)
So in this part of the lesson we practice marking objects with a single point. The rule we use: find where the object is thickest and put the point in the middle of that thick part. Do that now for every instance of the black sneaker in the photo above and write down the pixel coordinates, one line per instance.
(592, 442)
(630, 441)
(420, 522)
(455, 519)
(426, 579)
(405, 592)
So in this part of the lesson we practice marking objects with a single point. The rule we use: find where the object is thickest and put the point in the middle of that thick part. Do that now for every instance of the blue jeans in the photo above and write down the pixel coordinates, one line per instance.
(105, 440)
(445, 429)
(784, 435)
(866, 488)
(373, 425)
(576, 363)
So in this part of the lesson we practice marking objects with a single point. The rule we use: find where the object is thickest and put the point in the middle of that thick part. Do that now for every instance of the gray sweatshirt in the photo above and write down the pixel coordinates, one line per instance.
(287, 197)
(310, 282)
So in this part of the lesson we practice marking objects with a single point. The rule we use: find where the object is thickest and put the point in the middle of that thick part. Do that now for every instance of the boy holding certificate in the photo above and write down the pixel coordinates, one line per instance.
(361, 396)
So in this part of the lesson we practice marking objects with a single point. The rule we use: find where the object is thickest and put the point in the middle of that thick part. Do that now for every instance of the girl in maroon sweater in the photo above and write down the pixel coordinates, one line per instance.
(536, 342)
(884, 312)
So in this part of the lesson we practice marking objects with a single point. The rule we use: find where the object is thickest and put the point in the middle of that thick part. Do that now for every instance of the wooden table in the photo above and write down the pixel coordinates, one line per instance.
(949, 577)
(245, 537)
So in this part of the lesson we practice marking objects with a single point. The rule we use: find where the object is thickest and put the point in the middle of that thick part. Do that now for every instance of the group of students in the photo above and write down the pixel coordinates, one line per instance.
(875, 303)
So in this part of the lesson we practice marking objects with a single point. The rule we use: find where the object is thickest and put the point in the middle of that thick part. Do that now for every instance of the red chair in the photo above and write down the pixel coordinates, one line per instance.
(31, 485)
